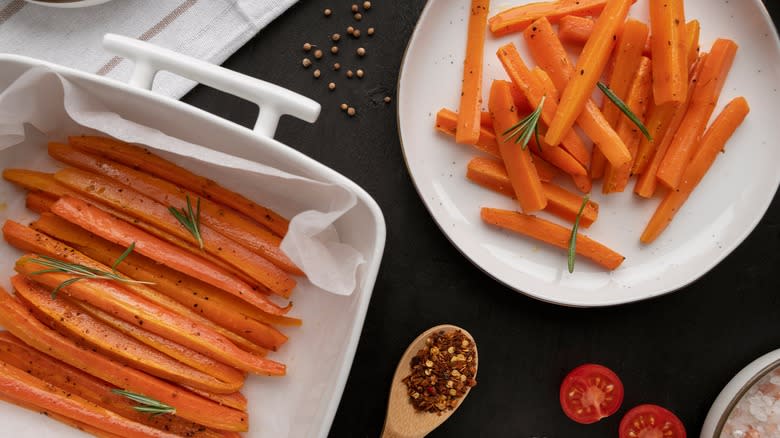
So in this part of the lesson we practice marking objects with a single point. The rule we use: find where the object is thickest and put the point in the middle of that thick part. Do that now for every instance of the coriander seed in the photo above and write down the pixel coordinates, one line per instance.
(331, 86)
(334, 50)
(350, 29)
(306, 47)
(356, 33)
(360, 51)
(387, 99)
(317, 73)
(360, 72)
(318, 53)
(349, 73)
(343, 106)
(354, 8)
(366, 5)
(358, 16)
(370, 31)
(351, 111)
(336, 66)
(306, 62)
(335, 37)
(327, 12)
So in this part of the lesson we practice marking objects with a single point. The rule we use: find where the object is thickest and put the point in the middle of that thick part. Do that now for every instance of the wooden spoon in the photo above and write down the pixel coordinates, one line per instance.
(402, 420)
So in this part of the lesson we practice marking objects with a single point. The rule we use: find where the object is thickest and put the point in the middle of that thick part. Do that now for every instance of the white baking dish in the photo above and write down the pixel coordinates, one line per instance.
(319, 354)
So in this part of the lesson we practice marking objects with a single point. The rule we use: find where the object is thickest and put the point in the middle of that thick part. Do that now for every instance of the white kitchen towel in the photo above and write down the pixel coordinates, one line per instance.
(210, 30)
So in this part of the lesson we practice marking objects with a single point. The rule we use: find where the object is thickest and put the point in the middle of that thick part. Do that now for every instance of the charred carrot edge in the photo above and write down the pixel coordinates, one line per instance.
(522, 78)
(670, 51)
(628, 53)
(517, 160)
(18, 385)
(118, 196)
(39, 202)
(518, 18)
(143, 159)
(552, 234)
(548, 51)
(712, 144)
(590, 66)
(16, 353)
(235, 400)
(447, 121)
(491, 174)
(616, 177)
(17, 320)
(122, 233)
(575, 30)
(226, 222)
(647, 182)
(703, 101)
(471, 91)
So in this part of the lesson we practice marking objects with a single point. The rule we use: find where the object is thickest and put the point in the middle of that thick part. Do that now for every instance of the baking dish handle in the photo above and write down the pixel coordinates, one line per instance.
(273, 100)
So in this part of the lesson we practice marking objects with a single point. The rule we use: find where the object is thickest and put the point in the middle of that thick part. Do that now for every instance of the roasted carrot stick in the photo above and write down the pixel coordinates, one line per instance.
(519, 164)
(471, 92)
(78, 425)
(589, 68)
(552, 234)
(36, 181)
(533, 89)
(143, 159)
(703, 101)
(597, 164)
(713, 142)
(670, 51)
(39, 202)
(30, 240)
(547, 172)
(447, 123)
(70, 321)
(226, 222)
(485, 121)
(15, 318)
(235, 400)
(628, 52)
(491, 174)
(549, 53)
(16, 353)
(647, 182)
(639, 96)
(18, 385)
(583, 183)
(692, 32)
(518, 18)
(122, 233)
(575, 30)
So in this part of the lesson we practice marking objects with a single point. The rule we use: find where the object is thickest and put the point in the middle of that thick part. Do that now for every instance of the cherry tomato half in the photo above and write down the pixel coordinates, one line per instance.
(651, 421)
(591, 392)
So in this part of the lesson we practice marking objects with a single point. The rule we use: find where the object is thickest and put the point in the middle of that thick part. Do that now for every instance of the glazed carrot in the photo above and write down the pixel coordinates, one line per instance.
(546, 171)
(692, 32)
(18, 385)
(122, 233)
(552, 234)
(628, 52)
(712, 144)
(39, 202)
(485, 121)
(84, 427)
(15, 318)
(560, 202)
(30, 240)
(471, 91)
(226, 222)
(575, 30)
(703, 101)
(143, 159)
(549, 53)
(16, 353)
(211, 302)
(519, 164)
(235, 400)
(639, 96)
(583, 183)
(518, 18)
(558, 157)
(533, 89)
(597, 164)
(590, 66)
(36, 181)
(670, 51)
(647, 182)
(447, 122)
(72, 322)
(522, 105)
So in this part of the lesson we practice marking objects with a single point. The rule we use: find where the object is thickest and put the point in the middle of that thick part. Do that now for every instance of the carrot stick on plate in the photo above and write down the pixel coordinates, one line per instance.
(670, 51)
(471, 91)
(516, 19)
(575, 30)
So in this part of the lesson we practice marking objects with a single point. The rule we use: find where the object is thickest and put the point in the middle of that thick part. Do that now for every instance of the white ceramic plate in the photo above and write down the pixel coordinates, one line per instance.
(719, 215)
(69, 4)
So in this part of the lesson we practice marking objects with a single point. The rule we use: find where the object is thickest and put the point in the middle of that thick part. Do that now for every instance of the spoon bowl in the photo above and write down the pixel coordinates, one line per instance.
(403, 420)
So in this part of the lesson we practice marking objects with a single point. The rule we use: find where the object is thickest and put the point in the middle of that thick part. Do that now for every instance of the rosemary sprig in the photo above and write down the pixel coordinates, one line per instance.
(189, 219)
(526, 127)
(625, 109)
(573, 237)
(82, 272)
(146, 404)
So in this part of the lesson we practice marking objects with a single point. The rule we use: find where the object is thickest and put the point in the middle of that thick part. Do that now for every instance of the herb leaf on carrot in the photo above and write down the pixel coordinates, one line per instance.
(527, 126)
(189, 219)
(573, 238)
(146, 404)
(625, 109)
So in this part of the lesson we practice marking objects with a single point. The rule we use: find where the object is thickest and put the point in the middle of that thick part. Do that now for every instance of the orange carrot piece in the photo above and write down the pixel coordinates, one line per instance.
(518, 18)
(548, 51)
(16, 319)
(590, 66)
(235, 400)
(70, 321)
(226, 222)
(547, 172)
(142, 159)
(712, 144)
(491, 174)
(533, 89)
(583, 183)
(552, 234)
(519, 164)
(485, 121)
(36, 181)
(39, 202)
(692, 33)
(670, 51)
(628, 52)
(122, 233)
(639, 96)
(471, 91)
(575, 30)
(703, 101)
(447, 121)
